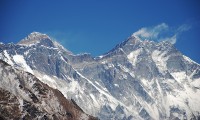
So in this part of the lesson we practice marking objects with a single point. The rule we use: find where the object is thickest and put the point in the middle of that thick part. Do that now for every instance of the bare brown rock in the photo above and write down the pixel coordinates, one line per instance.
(23, 96)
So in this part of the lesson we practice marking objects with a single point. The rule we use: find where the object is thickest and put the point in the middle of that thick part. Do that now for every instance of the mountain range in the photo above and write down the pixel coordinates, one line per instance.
(135, 80)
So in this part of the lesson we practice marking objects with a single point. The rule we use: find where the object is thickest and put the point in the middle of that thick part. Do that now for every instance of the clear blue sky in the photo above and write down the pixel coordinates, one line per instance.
(96, 26)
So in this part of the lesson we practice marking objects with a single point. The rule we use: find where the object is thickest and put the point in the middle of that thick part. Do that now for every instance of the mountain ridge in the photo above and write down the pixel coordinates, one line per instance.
(23, 96)
(135, 80)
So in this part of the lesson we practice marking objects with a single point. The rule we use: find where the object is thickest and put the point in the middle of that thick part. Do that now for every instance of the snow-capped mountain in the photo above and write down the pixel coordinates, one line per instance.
(23, 96)
(135, 80)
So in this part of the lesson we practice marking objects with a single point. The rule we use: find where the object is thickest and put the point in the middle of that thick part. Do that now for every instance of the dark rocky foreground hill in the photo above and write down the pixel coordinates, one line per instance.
(23, 96)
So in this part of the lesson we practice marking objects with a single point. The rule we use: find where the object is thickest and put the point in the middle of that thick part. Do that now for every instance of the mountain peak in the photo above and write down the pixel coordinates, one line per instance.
(138, 79)
(130, 41)
(33, 38)
(40, 39)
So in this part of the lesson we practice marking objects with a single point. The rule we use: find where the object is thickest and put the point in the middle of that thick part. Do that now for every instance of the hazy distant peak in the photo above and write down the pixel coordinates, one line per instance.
(42, 40)
(34, 38)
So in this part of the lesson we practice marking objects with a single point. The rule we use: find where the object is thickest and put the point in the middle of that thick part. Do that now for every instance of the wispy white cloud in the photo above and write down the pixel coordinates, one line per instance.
(183, 28)
(150, 32)
(161, 32)
(64, 38)
(69, 39)
(171, 39)
(58, 36)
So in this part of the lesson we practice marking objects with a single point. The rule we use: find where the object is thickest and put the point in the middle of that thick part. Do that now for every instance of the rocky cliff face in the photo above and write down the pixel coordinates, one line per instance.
(135, 80)
(23, 96)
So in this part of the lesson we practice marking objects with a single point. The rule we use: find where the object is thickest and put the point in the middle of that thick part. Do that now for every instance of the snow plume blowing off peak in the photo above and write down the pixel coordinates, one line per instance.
(161, 32)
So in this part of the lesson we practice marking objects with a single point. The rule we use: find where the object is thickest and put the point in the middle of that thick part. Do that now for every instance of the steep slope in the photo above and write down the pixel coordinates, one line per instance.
(23, 96)
(135, 80)
(155, 79)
